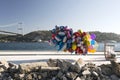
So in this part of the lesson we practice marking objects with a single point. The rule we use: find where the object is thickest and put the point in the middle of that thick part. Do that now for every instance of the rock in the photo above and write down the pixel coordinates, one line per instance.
(114, 77)
(107, 78)
(80, 62)
(86, 72)
(54, 78)
(28, 67)
(12, 64)
(39, 77)
(90, 65)
(71, 75)
(50, 68)
(21, 76)
(106, 69)
(64, 78)
(5, 64)
(77, 66)
(63, 64)
(29, 77)
(34, 75)
(1, 69)
(98, 69)
(59, 70)
(78, 78)
(60, 74)
(52, 62)
(116, 67)
(44, 74)
(95, 74)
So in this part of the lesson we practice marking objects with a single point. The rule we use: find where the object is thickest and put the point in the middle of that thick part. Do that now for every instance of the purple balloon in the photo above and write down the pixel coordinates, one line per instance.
(93, 36)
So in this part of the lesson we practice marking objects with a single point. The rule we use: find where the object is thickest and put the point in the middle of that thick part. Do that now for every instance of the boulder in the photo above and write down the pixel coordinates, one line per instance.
(115, 67)
(28, 67)
(54, 78)
(106, 69)
(78, 78)
(5, 64)
(114, 77)
(39, 77)
(59, 70)
(64, 78)
(50, 68)
(60, 74)
(71, 75)
(77, 66)
(52, 62)
(86, 72)
(64, 65)
(29, 77)
(44, 74)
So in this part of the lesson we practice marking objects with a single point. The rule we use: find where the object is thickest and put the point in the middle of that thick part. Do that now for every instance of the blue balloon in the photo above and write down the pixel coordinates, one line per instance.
(53, 31)
(92, 42)
(61, 46)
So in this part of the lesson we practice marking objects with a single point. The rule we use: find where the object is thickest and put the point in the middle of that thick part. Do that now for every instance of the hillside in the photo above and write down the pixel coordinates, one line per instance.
(103, 36)
(46, 35)
(100, 36)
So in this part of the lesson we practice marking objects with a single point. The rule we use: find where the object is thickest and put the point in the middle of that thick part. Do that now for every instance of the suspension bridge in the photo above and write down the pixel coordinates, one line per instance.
(12, 29)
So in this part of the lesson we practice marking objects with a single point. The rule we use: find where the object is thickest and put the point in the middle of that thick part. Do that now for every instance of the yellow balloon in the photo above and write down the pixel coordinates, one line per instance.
(80, 31)
(87, 43)
(85, 38)
(93, 51)
(74, 46)
(88, 36)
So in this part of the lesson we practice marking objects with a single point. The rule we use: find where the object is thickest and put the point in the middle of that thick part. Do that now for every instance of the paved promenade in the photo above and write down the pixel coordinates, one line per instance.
(34, 56)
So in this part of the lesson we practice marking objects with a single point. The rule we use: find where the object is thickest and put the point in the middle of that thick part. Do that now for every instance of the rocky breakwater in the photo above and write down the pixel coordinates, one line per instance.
(57, 69)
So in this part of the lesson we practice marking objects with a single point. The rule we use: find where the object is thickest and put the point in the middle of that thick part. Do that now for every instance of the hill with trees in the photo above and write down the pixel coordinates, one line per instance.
(35, 36)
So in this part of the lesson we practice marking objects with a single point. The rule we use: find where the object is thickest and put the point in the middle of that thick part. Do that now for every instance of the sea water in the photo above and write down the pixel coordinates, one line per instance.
(40, 46)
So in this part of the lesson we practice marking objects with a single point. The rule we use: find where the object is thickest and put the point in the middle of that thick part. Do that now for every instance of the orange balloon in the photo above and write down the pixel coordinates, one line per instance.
(91, 50)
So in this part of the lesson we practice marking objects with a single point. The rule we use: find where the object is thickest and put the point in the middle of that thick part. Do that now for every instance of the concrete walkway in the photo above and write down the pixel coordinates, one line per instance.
(34, 56)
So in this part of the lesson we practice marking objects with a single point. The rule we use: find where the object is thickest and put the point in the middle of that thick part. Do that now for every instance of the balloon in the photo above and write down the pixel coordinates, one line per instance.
(61, 33)
(74, 46)
(65, 39)
(93, 51)
(68, 34)
(80, 31)
(92, 42)
(57, 38)
(88, 35)
(90, 47)
(78, 42)
(96, 45)
(64, 47)
(93, 36)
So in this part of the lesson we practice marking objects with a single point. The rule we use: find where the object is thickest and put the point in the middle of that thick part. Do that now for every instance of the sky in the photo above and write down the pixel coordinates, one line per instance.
(87, 15)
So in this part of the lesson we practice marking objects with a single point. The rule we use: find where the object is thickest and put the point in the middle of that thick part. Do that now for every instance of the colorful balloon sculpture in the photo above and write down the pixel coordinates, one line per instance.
(79, 42)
